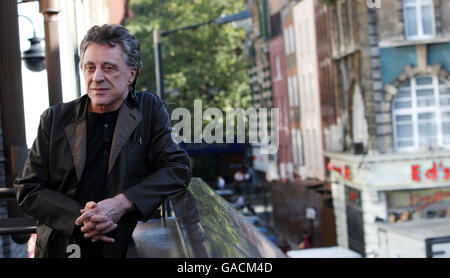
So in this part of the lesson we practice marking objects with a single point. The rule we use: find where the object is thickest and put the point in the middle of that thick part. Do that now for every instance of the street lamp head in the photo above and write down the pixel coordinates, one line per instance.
(34, 57)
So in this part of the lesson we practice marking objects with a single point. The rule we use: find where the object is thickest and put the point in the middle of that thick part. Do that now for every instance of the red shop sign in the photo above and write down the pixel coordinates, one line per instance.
(425, 200)
(345, 171)
(432, 174)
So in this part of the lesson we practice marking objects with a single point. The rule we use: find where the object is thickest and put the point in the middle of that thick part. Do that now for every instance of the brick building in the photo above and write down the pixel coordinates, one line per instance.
(302, 75)
(392, 87)
(281, 89)
(265, 166)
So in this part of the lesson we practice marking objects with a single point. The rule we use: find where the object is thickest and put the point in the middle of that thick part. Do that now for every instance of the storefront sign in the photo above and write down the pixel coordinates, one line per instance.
(344, 171)
(420, 204)
(438, 171)
(425, 198)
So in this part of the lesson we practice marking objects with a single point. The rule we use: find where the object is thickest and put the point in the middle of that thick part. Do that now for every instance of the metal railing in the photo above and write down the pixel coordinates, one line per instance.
(15, 225)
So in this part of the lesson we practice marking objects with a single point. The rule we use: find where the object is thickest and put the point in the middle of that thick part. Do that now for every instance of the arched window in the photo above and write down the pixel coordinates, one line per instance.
(421, 115)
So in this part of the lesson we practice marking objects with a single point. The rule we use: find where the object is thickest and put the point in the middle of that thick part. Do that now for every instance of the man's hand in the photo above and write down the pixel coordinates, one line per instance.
(100, 218)
(97, 226)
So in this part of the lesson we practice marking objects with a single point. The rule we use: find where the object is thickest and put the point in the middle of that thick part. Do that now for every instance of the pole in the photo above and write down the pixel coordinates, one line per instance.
(12, 110)
(158, 63)
(50, 10)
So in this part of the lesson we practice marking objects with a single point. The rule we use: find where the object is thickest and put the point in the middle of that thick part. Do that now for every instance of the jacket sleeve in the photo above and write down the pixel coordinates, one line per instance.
(173, 172)
(33, 192)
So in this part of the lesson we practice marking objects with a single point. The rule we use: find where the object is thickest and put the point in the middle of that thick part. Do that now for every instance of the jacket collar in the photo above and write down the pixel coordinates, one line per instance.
(83, 104)
(127, 120)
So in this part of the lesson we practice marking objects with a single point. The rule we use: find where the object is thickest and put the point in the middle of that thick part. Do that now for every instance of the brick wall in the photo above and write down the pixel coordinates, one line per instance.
(444, 17)
(390, 21)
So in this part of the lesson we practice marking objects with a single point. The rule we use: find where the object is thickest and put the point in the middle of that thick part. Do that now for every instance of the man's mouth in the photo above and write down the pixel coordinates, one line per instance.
(99, 91)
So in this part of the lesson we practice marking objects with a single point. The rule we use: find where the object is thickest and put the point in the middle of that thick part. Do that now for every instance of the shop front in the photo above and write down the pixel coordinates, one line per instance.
(386, 188)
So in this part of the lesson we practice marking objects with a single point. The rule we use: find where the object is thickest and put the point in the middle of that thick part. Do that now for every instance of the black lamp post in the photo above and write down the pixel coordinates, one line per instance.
(158, 35)
(34, 57)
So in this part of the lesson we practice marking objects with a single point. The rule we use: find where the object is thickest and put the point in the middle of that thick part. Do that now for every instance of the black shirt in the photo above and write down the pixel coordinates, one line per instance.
(100, 129)
(92, 186)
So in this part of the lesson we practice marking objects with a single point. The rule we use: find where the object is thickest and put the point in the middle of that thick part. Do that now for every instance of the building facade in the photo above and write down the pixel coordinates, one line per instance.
(308, 76)
(392, 89)
(287, 21)
(281, 89)
(301, 69)
(265, 166)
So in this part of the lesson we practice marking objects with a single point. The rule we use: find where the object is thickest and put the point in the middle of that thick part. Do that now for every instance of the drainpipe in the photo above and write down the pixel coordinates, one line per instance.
(50, 10)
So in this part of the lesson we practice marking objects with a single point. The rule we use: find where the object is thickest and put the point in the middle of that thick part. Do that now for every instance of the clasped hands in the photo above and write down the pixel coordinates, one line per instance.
(100, 218)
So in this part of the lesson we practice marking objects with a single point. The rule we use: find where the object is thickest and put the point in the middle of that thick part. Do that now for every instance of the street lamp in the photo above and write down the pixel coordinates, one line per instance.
(158, 35)
(34, 57)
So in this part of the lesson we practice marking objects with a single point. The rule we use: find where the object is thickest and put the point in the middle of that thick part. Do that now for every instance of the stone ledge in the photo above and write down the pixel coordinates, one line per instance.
(384, 44)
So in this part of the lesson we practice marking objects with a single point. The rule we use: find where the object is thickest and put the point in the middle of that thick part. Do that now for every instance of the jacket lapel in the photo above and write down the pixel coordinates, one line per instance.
(127, 121)
(76, 135)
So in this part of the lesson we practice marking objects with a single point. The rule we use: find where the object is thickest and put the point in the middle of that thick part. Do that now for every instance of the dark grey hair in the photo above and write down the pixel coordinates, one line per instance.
(112, 34)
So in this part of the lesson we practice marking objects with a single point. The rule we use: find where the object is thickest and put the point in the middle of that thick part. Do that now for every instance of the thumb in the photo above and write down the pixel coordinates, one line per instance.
(90, 205)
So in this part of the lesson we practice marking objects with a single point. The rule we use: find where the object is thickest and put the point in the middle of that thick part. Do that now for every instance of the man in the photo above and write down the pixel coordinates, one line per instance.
(103, 161)
(220, 183)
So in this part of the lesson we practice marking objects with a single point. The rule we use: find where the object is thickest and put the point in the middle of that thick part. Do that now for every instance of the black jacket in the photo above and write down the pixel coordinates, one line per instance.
(144, 164)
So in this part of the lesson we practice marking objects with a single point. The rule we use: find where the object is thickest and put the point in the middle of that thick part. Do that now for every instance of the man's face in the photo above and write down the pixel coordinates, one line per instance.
(107, 76)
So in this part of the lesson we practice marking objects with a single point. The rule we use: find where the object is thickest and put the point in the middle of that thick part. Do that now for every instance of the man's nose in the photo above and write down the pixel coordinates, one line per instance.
(98, 75)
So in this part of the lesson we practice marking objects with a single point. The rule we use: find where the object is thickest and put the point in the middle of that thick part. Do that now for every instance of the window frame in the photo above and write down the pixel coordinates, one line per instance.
(418, 4)
(414, 112)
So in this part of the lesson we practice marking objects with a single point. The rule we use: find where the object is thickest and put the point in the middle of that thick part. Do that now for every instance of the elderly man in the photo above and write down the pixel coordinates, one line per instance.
(103, 161)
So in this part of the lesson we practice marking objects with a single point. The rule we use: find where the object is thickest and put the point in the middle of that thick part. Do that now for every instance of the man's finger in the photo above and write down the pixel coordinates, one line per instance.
(99, 218)
(103, 226)
(96, 235)
(92, 234)
(103, 238)
(109, 229)
(84, 217)
(87, 227)
(90, 205)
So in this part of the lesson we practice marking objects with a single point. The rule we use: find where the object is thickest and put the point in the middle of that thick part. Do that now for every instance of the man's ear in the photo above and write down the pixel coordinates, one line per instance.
(132, 76)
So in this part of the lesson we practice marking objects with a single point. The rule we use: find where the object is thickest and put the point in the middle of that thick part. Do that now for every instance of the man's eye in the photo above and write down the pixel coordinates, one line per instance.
(108, 68)
(89, 68)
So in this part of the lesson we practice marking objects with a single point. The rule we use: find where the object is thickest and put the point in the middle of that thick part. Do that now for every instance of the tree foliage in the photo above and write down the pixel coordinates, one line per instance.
(207, 63)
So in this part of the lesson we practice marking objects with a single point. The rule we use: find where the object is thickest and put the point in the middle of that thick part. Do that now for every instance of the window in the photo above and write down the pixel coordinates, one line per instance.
(421, 115)
(289, 43)
(293, 91)
(287, 49)
(419, 19)
(297, 147)
(292, 38)
(278, 76)
(295, 150)
(291, 101)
